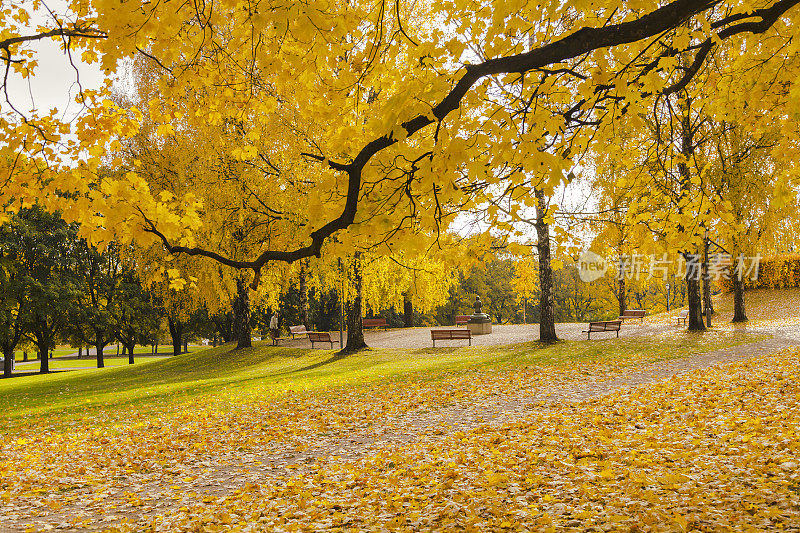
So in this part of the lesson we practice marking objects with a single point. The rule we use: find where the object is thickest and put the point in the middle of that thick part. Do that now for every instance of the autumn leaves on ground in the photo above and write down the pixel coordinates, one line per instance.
(522, 437)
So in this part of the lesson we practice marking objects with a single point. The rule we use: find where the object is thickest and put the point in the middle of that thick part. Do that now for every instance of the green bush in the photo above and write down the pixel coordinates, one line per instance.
(774, 272)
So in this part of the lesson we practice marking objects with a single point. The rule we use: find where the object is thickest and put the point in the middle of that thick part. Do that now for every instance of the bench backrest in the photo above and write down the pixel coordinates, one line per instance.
(319, 336)
(606, 325)
(635, 313)
(373, 322)
(437, 334)
(298, 329)
(462, 319)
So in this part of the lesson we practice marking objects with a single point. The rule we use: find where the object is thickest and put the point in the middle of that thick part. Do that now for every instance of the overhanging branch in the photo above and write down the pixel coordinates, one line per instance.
(581, 42)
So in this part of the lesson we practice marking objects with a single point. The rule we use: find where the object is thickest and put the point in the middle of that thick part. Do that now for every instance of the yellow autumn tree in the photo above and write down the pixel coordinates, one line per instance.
(388, 119)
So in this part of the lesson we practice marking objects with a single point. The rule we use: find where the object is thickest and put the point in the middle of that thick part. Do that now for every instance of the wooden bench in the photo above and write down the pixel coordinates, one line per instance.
(298, 330)
(462, 320)
(633, 313)
(320, 336)
(450, 334)
(606, 325)
(682, 316)
(374, 323)
(275, 339)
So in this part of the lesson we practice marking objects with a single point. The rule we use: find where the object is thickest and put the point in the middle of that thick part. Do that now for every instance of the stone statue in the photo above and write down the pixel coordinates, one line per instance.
(479, 323)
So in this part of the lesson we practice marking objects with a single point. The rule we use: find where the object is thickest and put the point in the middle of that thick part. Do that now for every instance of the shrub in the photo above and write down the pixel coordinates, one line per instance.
(774, 272)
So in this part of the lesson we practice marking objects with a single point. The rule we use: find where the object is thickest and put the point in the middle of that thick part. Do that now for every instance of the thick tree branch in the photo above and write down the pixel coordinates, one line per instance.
(574, 45)
(768, 17)
(76, 31)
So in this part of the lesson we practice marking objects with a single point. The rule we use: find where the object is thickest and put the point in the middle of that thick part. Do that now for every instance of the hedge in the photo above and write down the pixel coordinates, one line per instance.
(774, 272)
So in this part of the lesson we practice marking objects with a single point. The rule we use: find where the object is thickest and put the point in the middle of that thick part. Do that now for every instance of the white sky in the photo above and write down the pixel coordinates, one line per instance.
(55, 82)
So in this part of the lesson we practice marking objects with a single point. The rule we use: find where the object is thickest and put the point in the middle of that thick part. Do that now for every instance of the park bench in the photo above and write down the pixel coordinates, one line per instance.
(633, 313)
(275, 339)
(682, 316)
(374, 323)
(462, 320)
(450, 334)
(298, 330)
(320, 336)
(606, 325)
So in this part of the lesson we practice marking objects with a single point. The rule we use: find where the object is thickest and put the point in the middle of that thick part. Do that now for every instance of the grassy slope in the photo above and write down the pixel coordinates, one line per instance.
(764, 307)
(82, 363)
(157, 386)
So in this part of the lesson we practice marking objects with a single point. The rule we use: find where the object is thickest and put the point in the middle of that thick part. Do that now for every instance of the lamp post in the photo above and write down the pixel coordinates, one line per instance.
(667, 297)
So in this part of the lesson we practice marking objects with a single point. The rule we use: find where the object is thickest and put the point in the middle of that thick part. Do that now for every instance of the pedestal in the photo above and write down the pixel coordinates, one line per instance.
(480, 328)
(480, 324)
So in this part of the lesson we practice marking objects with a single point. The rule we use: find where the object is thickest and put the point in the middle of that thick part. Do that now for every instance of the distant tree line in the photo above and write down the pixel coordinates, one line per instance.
(55, 288)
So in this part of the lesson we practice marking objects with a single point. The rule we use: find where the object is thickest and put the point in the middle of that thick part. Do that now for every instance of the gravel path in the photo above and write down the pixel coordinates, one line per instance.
(415, 338)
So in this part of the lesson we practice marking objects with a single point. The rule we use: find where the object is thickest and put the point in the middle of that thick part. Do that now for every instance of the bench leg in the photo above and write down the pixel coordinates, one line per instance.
(434, 342)
(618, 334)
(470, 341)
(588, 336)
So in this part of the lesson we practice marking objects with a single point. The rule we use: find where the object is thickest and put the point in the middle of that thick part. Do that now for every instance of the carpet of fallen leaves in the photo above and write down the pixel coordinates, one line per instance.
(715, 449)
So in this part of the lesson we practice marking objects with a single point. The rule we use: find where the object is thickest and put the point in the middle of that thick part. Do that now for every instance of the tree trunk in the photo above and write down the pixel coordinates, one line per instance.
(80, 352)
(185, 345)
(99, 347)
(130, 353)
(43, 348)
(547, 323)
(738, 299)
(408, 312)
(355, 328)
(176, 333)
(241, 319)
(694, 297)
(304, 297)
(25, 356)
(225, 327)
(622, 296)
(8, 355)
(692, 277)
(709, 309)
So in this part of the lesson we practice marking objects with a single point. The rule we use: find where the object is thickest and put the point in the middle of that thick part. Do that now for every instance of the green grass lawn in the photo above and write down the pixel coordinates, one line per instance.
(58, 352)
(158, 385)
(83, 362)
(163, 349)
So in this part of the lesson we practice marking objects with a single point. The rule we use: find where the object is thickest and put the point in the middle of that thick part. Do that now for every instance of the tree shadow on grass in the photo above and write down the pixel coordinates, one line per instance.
(218, 363)
(34, 373)
(338, 356)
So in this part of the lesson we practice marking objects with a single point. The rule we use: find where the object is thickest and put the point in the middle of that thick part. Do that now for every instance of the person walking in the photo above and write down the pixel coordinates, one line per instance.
(273, 327)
